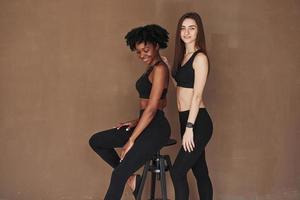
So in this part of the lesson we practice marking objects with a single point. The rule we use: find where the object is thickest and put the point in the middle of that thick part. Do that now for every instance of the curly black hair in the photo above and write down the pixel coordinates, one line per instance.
(152, 33)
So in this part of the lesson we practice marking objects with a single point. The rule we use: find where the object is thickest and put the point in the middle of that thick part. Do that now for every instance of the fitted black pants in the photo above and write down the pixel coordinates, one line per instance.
(152, 139)
(194, 160)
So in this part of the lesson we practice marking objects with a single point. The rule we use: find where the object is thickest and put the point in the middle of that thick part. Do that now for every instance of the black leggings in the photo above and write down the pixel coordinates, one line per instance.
(195, 160)
(151, 140)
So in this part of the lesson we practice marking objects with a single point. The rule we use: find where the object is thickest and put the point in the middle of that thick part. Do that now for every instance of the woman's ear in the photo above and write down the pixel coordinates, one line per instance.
(157, 47)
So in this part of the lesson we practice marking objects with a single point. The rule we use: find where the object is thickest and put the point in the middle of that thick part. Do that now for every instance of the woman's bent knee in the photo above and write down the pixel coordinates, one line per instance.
(93, 141)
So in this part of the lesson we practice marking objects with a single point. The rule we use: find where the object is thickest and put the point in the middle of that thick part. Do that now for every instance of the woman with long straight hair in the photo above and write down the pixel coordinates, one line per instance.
(190, 70)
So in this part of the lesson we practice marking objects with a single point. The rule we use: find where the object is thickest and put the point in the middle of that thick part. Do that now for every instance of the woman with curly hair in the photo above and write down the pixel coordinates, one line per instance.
(190, 71)
(142, 137)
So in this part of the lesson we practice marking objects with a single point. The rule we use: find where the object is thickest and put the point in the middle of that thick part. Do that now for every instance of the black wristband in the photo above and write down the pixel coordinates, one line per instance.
(189, 125)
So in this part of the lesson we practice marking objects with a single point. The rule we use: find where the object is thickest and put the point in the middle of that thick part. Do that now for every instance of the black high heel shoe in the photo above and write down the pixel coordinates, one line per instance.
(138, 180)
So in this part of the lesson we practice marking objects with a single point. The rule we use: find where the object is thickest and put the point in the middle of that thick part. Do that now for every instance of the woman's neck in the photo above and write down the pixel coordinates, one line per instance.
(190, 48)
(155, 60)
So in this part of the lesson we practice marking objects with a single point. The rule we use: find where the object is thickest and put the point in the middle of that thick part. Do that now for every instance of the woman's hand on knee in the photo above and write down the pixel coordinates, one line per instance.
(128, 124)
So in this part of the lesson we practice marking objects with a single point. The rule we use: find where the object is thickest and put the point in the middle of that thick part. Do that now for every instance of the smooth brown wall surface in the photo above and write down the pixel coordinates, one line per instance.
(65, 73)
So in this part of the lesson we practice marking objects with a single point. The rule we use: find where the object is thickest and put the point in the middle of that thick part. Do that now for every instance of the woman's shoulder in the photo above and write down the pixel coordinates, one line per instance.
(161, 68)
(200, 55)
(200, 59)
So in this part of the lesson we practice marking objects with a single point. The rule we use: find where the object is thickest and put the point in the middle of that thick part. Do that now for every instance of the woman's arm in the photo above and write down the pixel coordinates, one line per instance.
(160, 74)
(200, 66)
(170, 69)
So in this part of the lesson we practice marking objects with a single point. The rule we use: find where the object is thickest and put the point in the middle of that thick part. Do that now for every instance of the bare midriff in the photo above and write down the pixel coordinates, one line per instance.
(184, 99)
(144, 103)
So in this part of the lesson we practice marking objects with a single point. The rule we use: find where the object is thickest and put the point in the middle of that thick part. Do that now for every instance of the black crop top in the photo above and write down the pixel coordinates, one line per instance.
(144, 86)
(185, 74)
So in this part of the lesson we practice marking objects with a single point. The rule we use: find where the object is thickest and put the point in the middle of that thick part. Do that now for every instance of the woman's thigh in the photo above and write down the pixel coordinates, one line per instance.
(151, 140)
(111, 137)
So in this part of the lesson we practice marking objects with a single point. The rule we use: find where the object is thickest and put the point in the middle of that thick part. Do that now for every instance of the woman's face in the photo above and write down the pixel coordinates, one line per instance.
(188, 31)
(146, 52)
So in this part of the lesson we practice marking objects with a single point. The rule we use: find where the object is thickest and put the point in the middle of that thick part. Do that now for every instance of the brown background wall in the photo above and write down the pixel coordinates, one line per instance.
(67, 73)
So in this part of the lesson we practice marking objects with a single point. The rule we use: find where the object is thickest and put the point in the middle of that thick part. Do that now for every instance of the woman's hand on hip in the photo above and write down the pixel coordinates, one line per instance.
(188, 140)
(126, 148)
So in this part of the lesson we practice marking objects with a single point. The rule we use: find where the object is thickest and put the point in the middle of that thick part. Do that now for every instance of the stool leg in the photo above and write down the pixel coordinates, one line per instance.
(163, 179)
(153, 181)
(146, 168)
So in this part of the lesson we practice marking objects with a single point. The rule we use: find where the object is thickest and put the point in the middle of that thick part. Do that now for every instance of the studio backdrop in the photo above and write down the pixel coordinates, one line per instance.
(66, 73)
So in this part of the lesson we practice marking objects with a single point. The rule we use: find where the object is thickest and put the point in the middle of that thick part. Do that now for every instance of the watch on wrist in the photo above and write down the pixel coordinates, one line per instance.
(189, 125)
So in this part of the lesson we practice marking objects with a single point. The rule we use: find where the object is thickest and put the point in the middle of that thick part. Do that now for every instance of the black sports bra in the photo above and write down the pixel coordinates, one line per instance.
(185, 74)
(144, 86)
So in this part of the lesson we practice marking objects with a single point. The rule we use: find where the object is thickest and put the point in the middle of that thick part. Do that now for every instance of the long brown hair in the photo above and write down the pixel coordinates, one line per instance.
(179, 44)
